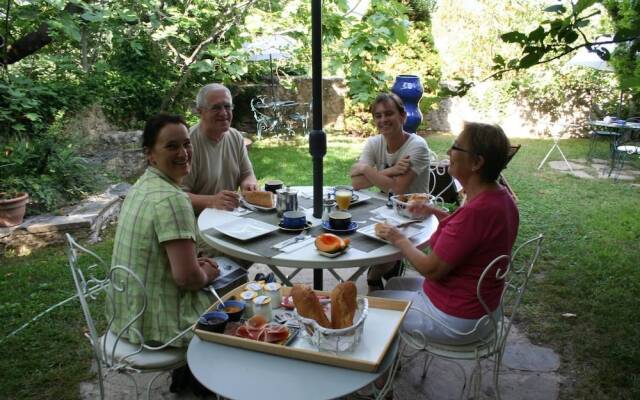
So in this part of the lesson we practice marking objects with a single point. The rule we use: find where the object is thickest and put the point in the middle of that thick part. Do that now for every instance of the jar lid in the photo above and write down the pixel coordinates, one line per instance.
(262, 300)
(254, 286)
(248, 295)
(272, 286)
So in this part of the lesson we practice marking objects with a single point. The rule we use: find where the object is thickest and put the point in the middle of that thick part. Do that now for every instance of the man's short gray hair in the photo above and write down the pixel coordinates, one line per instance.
(201, 98)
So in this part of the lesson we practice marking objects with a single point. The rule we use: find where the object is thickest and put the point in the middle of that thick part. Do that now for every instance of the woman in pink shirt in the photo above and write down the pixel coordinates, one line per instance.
(465, 242)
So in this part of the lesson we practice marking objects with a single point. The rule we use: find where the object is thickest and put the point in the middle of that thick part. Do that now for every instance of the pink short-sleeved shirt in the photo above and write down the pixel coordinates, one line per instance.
(469, 240)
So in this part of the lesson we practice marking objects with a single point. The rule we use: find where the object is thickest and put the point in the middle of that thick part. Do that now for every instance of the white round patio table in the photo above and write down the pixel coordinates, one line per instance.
(241, 374)
(308, 257)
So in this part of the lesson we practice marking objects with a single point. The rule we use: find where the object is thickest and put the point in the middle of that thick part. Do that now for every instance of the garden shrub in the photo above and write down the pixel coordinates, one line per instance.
(48, 168)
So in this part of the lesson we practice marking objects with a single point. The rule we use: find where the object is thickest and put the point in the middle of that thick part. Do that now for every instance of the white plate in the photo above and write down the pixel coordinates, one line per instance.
(332, 255)
(245, 229)
(361, 197)
(370, 231)
(263, 208)
(260, 208)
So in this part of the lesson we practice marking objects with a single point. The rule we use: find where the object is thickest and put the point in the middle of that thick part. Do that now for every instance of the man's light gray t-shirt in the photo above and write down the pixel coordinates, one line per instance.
(217, 166)
(375, 154)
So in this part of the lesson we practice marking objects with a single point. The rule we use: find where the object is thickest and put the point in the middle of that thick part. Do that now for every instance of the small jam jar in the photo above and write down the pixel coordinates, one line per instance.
(248, 297)
(273, 291)
(254, 287)
(262, 306)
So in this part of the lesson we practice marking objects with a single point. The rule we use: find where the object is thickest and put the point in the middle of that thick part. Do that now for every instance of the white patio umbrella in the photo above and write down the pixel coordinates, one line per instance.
(590, 59)
(270, 47)
(586, 58)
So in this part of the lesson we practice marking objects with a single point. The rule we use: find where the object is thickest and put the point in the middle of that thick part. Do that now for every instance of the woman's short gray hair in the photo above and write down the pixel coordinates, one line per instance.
(201, 98)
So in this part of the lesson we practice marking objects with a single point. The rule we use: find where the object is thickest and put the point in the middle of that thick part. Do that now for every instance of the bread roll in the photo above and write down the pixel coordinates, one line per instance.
(259, 198)
(377, 228)
(343, 305)
(308, 305)
(419, 198)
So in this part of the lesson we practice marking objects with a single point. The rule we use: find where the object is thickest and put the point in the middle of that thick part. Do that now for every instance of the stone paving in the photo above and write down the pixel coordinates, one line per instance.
(596, 169)
(528, 372)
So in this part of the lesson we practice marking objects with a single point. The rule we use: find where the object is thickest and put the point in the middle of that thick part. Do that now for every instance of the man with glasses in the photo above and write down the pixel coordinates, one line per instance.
(220, 163)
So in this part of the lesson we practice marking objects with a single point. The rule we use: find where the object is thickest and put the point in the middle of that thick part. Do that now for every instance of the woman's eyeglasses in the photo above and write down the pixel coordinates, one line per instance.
(454, 146)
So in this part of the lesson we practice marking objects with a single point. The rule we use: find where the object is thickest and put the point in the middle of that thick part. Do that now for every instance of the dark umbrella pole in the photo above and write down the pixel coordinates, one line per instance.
(317, 137)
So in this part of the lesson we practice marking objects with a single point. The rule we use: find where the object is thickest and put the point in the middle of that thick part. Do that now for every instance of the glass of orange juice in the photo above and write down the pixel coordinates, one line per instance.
(343, 199)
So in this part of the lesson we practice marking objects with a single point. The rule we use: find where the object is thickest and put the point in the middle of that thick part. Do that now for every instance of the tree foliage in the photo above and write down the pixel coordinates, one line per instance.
(568, 26)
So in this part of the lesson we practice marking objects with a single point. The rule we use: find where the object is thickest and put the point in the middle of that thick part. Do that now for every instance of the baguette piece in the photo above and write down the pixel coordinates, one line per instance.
(308, 305)
(259, 198)
(343, 305)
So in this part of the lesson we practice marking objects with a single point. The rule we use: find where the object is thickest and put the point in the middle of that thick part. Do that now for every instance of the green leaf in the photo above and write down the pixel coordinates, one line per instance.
(571, 37)
(203, 66)
(582, 23)
(513, 37)
(498, 60)
(530, 60)
(537, 34)
(32, 116)
(93, 17)
(632, 82)
(556, 8)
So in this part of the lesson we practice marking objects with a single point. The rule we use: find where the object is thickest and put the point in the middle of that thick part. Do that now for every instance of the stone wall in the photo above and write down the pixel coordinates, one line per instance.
(83, 221)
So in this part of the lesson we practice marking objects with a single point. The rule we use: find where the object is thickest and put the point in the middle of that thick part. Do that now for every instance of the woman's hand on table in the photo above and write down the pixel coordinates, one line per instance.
(390, 233)
(225, 200)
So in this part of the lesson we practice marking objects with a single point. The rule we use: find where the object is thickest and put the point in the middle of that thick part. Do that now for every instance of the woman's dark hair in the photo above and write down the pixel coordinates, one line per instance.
(490, 142)
(155, 124)
(385, 97)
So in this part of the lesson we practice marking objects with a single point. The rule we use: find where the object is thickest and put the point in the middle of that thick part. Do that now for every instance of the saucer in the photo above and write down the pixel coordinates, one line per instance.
(352, 227)
(333, 255)
(307, 226)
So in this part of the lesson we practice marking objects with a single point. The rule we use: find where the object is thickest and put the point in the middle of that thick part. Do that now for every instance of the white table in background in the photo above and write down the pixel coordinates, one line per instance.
(308, 257)
(245, 374)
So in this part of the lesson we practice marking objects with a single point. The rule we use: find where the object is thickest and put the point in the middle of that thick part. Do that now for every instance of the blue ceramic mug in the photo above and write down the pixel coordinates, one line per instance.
(294, 220)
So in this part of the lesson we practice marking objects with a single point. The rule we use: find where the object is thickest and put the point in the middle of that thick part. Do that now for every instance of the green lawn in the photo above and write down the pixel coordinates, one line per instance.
(589, 267)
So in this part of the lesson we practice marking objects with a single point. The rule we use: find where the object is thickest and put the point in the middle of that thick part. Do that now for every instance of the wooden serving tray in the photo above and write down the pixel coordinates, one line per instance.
(381, 327)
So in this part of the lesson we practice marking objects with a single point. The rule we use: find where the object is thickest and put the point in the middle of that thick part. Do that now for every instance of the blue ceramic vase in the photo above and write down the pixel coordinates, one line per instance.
(409, 89)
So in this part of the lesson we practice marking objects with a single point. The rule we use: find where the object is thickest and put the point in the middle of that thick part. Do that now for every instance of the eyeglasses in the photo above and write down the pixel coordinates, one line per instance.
(454, 146)
(216, 108)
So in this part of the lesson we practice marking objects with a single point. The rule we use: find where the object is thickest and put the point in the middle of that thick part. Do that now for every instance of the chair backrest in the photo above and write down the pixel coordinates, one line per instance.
(98, 282)
(515, 272)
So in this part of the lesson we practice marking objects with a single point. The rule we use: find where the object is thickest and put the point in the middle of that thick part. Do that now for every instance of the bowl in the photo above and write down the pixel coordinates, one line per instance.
(233, 308)
(213, 321)
(335, 341)
(401, 204)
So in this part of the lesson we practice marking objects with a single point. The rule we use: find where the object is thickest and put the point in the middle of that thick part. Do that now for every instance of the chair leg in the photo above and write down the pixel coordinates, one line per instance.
(496, 375)
(151, 383)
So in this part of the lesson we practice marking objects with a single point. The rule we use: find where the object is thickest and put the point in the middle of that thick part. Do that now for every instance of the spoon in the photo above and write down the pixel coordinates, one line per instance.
(216, 294)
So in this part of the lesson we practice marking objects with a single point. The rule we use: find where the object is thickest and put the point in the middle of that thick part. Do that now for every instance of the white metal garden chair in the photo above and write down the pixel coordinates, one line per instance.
(516, 274)
(113, 353)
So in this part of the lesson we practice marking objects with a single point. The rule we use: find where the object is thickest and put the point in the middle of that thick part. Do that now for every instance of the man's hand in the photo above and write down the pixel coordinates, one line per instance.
(402, 166)
(358, 169)
(209, 267)
(225, 200)
(249, 186)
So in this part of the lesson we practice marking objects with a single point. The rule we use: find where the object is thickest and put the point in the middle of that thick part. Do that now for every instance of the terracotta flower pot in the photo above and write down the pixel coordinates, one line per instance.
(12, 210)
